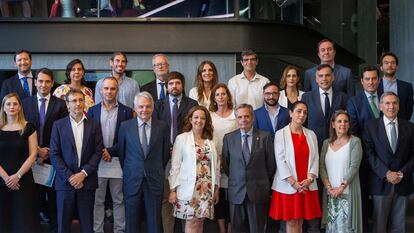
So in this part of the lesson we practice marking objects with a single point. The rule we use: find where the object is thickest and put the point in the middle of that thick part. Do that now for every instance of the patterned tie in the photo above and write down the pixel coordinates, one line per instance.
(245, 149)
(175, 119)
(144, 140)
(327, 105)
(393, 136)
(373, 106)
(26, 86)
(162, 92)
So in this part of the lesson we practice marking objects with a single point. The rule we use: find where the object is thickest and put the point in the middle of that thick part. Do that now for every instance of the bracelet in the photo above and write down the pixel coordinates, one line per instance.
(328, 186)
(18, 175)
(343, 185)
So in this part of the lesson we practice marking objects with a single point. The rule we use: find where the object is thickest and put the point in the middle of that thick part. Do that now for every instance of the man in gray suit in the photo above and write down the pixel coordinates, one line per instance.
(249, 161)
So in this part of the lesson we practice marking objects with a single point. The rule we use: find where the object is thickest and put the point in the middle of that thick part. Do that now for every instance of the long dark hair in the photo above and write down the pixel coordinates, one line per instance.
(199, 79)
(208, 127)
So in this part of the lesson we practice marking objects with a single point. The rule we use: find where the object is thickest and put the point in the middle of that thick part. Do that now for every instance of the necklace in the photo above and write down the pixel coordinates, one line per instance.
(338, 142)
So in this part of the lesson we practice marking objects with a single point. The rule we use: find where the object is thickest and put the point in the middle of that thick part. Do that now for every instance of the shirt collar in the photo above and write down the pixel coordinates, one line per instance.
(250, 132)
(30, 75)
(140, 122)
(254, 77)
(113, 106)
(80, 122)
(277, 108)
(369, 95)
(159, 81)
(387, 121)
(178, 97)
(39, 97)
(329, 91)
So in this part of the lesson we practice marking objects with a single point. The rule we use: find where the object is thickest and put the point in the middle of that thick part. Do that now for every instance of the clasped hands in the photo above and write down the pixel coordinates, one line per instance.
(394, 177)
(76, 180)
(12, 182)
(302, 186)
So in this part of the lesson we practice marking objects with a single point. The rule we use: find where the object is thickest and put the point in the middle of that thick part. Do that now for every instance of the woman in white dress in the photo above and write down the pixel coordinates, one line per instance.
(339, 168)
(207, 78)
(290, 85)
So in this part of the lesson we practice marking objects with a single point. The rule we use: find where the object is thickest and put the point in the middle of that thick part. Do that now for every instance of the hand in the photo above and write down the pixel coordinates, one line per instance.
(172, 198)
(43, 153)
(77, 179)
(337, 192)
(216, 196)
(393, 177)
(106, 156)
(12, 182)
(305, 183)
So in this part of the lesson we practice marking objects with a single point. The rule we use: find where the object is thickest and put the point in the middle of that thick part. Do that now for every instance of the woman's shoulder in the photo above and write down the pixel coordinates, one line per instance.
(29, 128)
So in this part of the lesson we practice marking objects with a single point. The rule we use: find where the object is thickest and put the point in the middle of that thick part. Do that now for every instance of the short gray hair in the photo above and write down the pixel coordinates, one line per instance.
(388, 93)
(240, 106)
(143, 94)
(159, 55)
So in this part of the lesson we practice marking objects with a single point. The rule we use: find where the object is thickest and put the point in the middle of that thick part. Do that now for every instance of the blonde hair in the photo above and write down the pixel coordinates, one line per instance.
(21, 120)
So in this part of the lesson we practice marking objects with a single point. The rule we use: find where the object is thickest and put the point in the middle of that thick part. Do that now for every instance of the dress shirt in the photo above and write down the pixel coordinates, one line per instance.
(388, 127)
(128, 88)
(108, 124)
(390, 85)
(147, 129)
(322, 96)
(245, 91)
(46, 102)
(77, 129)
(376, 102)
(159, 88)
(249, 139)
(29, 81)
(273, 118)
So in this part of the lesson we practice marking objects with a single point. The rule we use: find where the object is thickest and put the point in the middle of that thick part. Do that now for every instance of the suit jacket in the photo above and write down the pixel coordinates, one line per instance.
(13, 84)
(344, 81)
(380, 157)
(151, 87)
(64, 156)
(56, 110)
(183, 171)
(360, 112)
(262, 120)
(254, 178)
(135, 165)
(162, 110)
(124, 113)
(285, 159)
(316, 119)
(405, 94)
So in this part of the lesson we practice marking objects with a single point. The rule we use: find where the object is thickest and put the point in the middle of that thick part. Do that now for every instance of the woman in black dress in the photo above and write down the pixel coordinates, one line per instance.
(18, 149)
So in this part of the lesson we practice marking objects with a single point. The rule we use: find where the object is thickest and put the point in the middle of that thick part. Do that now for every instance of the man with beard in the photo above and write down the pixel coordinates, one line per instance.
(157, 87)
(271, 116)
(23, 82)
(128, 87)
(389, 82)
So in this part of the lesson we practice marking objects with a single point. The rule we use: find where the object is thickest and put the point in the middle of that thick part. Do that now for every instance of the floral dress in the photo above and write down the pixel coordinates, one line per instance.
(62, 90)
(201, 205)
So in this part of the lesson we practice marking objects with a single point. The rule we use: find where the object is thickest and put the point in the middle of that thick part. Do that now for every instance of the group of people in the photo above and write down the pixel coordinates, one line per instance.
(237, 153)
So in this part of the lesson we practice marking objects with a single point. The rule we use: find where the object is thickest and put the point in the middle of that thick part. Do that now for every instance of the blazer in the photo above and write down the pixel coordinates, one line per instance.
(64, 158)
(283, 100)
(124, 113)
(262, 120)
(344, 81)
(135, 164)
(56, 110)
(405, 94)
(360, 112)
(380, 157)
(183, 171)
(254, 178)
(151, 87)
(316, 119)
(285, 159)
(13, 84)
(162, 110)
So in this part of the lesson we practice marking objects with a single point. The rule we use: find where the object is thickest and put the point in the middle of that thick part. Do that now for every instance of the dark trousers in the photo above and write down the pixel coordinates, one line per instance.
(47, 198)
(248, 216)
(389, 213)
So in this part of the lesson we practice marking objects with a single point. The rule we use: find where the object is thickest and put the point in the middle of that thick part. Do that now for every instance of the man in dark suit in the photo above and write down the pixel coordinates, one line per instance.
(172, 110)
(249, 161)
(75, 151)
(362, 108)
(43, 110)
(23, 82)
(344, 81)
(157, 88)
(322, 103)
(144, 150)
(389, 82)
(271, 116)
(109, 113)
(389, 148)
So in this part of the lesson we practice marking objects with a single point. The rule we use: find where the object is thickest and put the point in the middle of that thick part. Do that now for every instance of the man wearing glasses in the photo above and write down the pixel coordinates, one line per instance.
(246, 87)
(158, 87)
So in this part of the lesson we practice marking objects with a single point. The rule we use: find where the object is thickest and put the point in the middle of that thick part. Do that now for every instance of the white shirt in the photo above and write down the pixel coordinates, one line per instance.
(248, 92)
(159, 88)
(388, 127)
(322, 96)
(40, 102)
(77, 129)
(29, 81)
(375, 99)
(194, 95)
(147, 129)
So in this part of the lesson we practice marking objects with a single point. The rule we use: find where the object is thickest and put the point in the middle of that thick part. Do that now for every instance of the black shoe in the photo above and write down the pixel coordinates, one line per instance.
(43, 218)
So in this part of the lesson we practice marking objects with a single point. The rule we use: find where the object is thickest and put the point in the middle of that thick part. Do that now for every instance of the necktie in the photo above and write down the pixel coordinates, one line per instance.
(42, 118)
(26, 86)
(144, 140)
(327, 105)
(373, 106)
(393, 137)
(175, 119)
(162, 92)
(245, 149)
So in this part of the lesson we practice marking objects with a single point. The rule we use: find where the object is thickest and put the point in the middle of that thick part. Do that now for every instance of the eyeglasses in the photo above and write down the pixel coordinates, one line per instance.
(269, 94)
(249, 59)
(77, 101)
(159, 65)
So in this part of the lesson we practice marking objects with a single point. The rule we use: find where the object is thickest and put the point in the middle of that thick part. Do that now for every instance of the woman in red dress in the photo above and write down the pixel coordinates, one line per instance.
(295, 192)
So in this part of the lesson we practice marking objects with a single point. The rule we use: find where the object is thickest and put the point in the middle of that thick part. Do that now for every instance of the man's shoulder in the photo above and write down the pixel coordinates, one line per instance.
(404, 83)
(342, 68)
(260, 110)
(149, 84)
(11, 80)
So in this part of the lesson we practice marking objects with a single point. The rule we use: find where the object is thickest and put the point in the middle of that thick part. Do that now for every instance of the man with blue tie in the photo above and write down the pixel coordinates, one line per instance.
(158, 88)
(389, 148)
(75, 151)
(109, 113)
(389, 82)
(23, 82)
(144, 150)
(271, 116)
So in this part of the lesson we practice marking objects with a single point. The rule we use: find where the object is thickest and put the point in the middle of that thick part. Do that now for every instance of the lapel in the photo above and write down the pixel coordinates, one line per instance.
(366, 106)
(86, 132)
(380, 89)
(167, 110)
(119, 118)
(135, 134)
(238, 145)
(69, 131)
(382, 135)
(183, 104)
(255, 144)
(400, 89)
(50, 107)
(19, 86)
(97, 112)
(317, 100)
(153, 136)
(267, 119)
(35, 109)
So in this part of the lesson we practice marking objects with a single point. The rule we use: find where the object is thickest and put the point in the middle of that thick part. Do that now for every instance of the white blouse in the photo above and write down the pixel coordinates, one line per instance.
(194, 95)
(337, 165)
